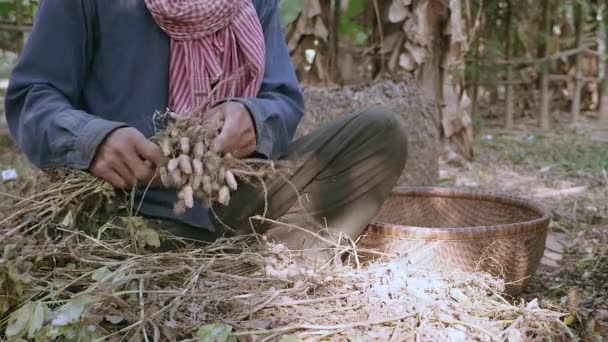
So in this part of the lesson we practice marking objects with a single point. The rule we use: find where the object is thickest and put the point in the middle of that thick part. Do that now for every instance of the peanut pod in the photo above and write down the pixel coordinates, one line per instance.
(195, 181)
(176, 177)
(165, 146)
(164, 176)
(224, 196)
(184, 164)
(231, 181)
(172, 165)
(197, 166)
(188, 196)
(185, 145)
(207, 187)
(199, 150)
(179, 207)
(211, 164)
(221, 177)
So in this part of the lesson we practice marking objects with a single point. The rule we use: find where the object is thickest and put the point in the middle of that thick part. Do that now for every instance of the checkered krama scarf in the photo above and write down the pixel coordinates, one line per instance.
(211, 41)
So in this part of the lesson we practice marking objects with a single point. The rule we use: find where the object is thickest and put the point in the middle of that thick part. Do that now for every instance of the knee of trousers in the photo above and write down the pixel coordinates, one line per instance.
(388, 132)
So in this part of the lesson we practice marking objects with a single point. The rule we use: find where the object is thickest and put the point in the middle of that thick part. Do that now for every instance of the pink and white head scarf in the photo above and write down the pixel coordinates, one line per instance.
(211, 40)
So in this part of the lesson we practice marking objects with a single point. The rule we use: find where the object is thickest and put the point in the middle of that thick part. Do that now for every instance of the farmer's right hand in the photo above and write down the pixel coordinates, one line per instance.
(126, 158)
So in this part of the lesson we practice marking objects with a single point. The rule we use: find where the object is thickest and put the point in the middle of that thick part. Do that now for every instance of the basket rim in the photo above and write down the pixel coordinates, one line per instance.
(535, 226)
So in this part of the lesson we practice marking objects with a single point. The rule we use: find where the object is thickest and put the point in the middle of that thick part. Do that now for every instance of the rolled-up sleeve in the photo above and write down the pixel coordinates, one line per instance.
(279, 106)
(45, 89)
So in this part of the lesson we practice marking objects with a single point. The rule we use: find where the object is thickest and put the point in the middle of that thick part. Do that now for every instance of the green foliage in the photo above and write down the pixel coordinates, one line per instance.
(144, 235)
(289, 10)
(358, 33)
(11, 10)
(71, 311)
(27, 320)
(36, 321)
(215, 333)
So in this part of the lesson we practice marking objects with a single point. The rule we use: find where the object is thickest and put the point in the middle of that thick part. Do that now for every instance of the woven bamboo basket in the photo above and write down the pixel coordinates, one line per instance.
(469, 230)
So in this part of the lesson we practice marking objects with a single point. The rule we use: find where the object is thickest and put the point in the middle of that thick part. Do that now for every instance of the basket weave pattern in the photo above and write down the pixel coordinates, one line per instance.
(473, 231)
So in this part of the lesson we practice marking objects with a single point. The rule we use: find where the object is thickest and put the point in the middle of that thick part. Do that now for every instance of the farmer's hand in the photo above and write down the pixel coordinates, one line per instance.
(125, 158)
(238, 134)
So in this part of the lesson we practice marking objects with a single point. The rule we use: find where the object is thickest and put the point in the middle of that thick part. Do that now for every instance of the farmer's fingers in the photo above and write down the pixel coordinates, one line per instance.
(246, 146)
(212, 114)
(141, 169)
(227, 141)
(103, 171)
(115, 180)
(148, 150)
(125, 173)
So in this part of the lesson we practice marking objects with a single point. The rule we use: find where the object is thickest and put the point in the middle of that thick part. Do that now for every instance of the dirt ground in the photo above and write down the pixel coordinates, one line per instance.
(567, 172)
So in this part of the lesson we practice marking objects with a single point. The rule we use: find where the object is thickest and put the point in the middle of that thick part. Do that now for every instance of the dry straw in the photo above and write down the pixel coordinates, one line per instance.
(57, 280)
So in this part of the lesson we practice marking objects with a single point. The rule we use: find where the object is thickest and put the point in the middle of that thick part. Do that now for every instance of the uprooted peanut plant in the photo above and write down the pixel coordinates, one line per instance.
(196, 169)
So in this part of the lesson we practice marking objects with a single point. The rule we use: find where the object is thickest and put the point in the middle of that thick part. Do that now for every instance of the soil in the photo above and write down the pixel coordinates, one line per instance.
(417, 113)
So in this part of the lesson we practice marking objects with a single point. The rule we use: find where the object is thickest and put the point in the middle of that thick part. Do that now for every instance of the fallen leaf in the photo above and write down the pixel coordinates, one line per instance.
(406, 62)
(312, 8)
(37, 319)
(417, 52)
(148, 237)
(18, 323)
(215, 333)
(391, 42)
(100, 273)
(569, 320)
(68, 220)
(71, 311)
(320, 29)
(397, 11)
(114, 319)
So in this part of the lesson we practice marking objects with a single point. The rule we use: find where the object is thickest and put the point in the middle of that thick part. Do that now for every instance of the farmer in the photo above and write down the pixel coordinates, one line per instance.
(93, 73)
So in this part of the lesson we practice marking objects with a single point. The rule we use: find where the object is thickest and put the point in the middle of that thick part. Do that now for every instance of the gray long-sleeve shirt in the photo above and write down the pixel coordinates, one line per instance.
(91, 66)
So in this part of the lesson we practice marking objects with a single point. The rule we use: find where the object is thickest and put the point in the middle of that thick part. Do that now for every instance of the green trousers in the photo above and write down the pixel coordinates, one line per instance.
(339, 177)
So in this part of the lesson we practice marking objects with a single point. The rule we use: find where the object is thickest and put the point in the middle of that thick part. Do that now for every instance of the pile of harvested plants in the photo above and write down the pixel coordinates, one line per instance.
(66, 275)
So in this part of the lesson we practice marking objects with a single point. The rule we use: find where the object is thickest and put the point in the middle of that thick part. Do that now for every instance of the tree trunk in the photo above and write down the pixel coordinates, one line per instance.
(334, 41)
(604, 90)
(474, 67)
(578, 84)
(20, 20)
(508, 54)
(544, 69)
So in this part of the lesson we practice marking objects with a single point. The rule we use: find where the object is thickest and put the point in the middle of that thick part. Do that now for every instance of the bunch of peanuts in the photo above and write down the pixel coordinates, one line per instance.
(193, 167)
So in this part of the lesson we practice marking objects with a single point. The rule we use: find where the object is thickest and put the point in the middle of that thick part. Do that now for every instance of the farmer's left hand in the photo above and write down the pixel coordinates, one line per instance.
(238, 133)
